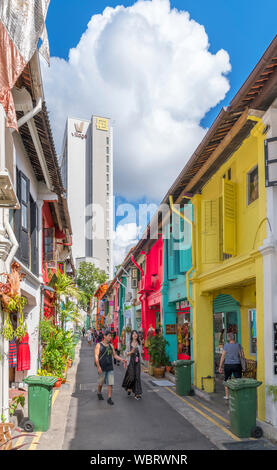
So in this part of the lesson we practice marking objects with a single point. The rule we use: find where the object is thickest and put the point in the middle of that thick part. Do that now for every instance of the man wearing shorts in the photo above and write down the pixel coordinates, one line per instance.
(104, 355)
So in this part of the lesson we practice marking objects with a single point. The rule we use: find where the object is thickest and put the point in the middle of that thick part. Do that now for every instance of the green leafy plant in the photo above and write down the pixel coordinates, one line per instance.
(7, 329)
(16, 401)
(57, 348)
(157, 351)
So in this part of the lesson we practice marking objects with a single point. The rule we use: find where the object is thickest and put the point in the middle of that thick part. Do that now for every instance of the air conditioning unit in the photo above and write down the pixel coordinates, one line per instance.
(134, 283)
(8, 196)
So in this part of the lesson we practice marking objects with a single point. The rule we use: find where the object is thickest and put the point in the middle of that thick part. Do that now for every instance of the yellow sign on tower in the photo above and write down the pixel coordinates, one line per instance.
(102, 124)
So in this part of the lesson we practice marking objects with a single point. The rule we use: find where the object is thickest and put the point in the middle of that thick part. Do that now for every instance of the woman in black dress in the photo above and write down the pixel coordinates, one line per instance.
(131, 381)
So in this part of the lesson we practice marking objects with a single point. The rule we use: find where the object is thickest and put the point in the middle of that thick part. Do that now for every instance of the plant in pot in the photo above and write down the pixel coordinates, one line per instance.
(157, 354)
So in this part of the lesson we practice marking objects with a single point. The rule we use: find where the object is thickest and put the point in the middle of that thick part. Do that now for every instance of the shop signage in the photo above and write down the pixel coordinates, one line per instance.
(183, 307)
(102, 124)
(79, 130)
(170, 329)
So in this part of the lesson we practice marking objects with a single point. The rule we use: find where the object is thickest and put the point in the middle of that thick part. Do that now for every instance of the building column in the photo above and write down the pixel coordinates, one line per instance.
(203, 351)
(7, 249)
(269, 253)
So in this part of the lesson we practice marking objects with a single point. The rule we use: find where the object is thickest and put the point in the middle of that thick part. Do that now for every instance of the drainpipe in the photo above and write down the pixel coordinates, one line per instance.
(133, 260)
(191, 301)
(32, 113)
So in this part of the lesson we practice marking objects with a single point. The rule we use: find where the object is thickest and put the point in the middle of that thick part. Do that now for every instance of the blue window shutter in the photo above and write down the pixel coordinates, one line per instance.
(170, 258)
(185, 253)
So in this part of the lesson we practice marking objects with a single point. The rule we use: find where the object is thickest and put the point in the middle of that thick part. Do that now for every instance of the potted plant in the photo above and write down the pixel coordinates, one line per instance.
(157, 354)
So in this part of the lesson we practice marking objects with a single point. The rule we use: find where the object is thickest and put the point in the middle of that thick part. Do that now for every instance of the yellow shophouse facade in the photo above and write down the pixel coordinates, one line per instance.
(228, 280)
(232, 183)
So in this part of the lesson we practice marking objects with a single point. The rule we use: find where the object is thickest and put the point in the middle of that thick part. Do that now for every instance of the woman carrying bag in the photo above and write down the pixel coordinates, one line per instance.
(131, 381)
(233, 359)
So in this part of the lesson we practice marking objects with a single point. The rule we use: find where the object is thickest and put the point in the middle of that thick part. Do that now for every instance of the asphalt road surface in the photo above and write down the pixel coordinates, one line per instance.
(149, 423)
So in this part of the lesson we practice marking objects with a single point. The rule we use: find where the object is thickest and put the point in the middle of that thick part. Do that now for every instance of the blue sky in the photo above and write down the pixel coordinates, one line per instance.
(243, 28)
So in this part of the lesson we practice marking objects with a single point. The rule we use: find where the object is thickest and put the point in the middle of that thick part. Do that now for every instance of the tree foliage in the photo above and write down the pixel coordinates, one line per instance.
(88, 280)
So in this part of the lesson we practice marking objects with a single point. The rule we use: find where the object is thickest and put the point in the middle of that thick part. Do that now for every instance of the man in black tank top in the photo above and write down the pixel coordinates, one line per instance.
(104, 355)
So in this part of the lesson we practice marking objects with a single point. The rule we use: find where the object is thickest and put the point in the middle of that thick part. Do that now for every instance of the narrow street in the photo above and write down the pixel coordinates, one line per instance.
(128, 424)
(162, 420)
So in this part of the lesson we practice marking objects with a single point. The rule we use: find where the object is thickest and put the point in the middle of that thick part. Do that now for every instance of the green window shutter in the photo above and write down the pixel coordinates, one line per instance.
(210, 231)
(229, 217)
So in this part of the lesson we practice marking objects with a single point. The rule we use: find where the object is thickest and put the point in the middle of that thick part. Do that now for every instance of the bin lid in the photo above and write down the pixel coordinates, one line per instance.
(239, 384)
(40, 380)
(182, 362)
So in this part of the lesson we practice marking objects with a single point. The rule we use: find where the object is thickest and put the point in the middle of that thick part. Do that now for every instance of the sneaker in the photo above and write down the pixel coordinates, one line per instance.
(137, 397)
(100, 396)
(110, 401)
(226, 398)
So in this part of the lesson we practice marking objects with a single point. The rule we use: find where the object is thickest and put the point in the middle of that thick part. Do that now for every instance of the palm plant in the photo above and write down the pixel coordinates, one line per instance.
(64, 287)
(69, 312)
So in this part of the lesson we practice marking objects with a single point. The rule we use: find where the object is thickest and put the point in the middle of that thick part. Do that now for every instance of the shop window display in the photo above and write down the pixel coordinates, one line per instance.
(183, 335)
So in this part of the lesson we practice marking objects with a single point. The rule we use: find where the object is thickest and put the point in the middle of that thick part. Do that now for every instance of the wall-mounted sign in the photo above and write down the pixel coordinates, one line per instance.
(170, 329)
(79, 126)
(102, 124)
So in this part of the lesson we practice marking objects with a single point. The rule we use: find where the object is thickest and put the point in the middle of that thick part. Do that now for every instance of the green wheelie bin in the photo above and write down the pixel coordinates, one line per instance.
(243, 407)
(40, 391)
(183, 376)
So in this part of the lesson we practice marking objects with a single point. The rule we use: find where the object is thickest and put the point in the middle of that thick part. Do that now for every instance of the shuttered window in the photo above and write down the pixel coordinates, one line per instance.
(185, 252)
(22, 219)
(210, 231)
(34, 236)
(229, 217)
(49, 254)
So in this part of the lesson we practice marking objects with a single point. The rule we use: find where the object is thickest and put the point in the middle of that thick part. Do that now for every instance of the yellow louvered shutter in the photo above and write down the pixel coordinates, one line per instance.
(229, 217)
(210, 231)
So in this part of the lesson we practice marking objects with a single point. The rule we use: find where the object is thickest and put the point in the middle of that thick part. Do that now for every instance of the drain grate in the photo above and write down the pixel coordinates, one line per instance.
(162, 383)
(259, 444)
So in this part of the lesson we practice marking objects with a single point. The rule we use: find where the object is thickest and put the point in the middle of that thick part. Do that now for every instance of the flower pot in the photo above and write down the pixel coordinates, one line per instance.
(58, 383)
(159, 372)
(5, 434)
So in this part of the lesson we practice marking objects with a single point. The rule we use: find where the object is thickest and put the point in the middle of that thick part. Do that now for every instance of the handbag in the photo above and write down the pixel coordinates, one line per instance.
(242, 359)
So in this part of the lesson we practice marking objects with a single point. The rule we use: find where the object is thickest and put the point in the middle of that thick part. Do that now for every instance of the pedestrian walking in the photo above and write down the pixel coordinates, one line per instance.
(83, 331)
(232, 357)
(94, 335)
(132, 381)
(104, 354)
(100, 336)
(116, 345)
(90, 336)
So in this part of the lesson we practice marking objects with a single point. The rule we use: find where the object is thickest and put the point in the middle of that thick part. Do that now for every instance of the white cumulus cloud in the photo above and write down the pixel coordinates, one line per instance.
(149, 68)
(125, 237)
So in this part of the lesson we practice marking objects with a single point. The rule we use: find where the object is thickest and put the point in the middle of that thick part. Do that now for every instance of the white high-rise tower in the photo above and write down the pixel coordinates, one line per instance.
(87, 173)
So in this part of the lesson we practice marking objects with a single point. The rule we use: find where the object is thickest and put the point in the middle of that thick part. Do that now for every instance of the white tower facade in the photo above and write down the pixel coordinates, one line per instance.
(87, 173)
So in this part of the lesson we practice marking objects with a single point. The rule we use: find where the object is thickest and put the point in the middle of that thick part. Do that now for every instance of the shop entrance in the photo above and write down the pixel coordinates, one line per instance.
(226, 319)
(183, 332)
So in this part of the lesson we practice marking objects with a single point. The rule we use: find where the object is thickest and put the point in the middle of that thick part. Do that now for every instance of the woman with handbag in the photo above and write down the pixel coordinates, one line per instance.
(131, 381)
(233, 359)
